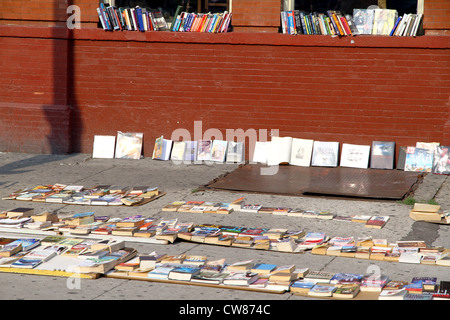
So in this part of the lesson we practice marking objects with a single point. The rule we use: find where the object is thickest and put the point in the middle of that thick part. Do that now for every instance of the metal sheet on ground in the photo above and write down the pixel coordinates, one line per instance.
(338, 181)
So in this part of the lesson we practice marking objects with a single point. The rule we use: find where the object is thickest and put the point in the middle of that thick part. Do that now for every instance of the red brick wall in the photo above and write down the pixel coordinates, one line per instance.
(437, 17)
(345, 93)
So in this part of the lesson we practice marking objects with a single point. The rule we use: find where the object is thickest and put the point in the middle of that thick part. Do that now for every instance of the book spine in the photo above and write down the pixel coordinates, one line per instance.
(105, 16)
(102, 21)
(395, 26)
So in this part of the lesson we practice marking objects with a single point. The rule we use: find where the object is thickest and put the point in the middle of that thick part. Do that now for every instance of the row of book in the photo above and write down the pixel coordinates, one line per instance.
(198, 206)
(249, 274)
(113, 259)
(274, 239)
(331, 23)
(202, 22)
(387, 22)
(198, 151)
(364, 21)
(112, 195)
(133, 19)
(423, 157)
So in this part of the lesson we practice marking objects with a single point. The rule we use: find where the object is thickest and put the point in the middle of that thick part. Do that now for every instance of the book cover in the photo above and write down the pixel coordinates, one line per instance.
(104, 147)
(128, 145)
(204, 150)
(260, 152)
(325, 154)
(355, 156)
(178, 150)
(441, 161)
(236, 152)
(219, 150)
(301, 152)
(418, 159)
(190, 154)
(382, 155)
(279, 150)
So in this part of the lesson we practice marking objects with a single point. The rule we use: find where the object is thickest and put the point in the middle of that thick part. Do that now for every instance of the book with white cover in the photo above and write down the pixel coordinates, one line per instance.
(355, 156)
(104, 147)
(178, 150)
(301, 152)
(279, 150)
(236, 152)
(325, 154)
(260, 152)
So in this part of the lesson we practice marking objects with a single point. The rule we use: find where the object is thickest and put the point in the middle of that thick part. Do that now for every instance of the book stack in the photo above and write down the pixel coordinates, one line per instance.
(108, 195)
(132, 19)
(331, 23)
(429, 213)
(202, 22)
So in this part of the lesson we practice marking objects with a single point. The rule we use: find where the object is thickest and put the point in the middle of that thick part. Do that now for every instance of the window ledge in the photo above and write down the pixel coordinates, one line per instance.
(232, 38)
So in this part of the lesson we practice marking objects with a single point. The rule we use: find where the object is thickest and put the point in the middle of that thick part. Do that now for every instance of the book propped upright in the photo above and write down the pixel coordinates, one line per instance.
(325, 154)
(219, 150)
(441, 160)
(355, 156)
(178, 151)
(279, 151)
(162, 149)
(382, 155)
(236, 152)
(128, 145)
(301, 152)
(104, 147)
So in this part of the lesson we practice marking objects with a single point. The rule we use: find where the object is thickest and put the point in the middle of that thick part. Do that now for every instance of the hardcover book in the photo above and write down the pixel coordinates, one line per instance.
(104, 147)
(355, 156)
(382, 155)
(325, 154)
(128, 145)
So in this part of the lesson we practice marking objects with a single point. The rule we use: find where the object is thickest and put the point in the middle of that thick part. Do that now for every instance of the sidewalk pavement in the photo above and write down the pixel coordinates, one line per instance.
(181, 182)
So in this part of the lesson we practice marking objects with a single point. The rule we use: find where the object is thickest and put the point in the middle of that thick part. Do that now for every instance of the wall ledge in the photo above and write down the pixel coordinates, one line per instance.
(231, 38)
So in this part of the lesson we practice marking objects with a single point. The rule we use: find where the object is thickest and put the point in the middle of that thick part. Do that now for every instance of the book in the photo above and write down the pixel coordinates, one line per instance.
(441, 160)
(250, 208)
(178, 151)
(346, 278)
(207, 276)
(384, 21)
(219, 150)
(401, 158)
(131, 221)
(20, 212)
(190, 154)
(418, 159)
(318, 276)
(263, 268)
(10, 249)
(322, 290)
(162, 149)
(301, 152)
(104, 147)
(240, 266)
(382, 155)
(204, 150)
(363, 19)
(161, 272)
(301, 286)
(348, 291)
(392, 294)
(279, 150)
(235, 152)
(260, 152)
(128, 145)
(355, 156)
(325, 154)
(377, 222)
(240, 278)
(184, 273)
(374, 282)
